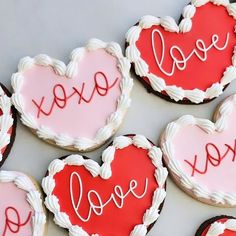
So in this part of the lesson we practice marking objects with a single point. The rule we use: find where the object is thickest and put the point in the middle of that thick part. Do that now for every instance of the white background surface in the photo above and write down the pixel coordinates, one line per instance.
(56, 27)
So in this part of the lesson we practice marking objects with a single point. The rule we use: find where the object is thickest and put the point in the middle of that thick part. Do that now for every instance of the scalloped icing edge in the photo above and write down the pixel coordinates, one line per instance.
(6, 119)
(215, 227)
(218, 228)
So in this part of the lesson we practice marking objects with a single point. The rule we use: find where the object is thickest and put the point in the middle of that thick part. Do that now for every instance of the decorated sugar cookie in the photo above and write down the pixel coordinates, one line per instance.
(21, 207)
(201, 155)
(218, 226)
(189, 62)
(7, 124)
(78, 106)
(122, 196)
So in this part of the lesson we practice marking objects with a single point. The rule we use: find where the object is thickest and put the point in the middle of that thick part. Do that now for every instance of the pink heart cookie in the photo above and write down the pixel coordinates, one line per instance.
(189, 62)
(122, 196)
(78, 106)
(201, 155)
(8, 123)
(21, 208)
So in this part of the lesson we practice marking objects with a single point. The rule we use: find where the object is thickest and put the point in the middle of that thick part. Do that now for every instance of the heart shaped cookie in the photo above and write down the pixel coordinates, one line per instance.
(78, 106)
(123, 196)
(21, 207)
(8, 122)
(218, 226)
(201, 155)
(191, 62)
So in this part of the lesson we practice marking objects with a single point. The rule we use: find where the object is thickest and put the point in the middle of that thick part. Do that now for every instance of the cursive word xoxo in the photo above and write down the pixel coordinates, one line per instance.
(13, 221)
(61, 96)
(97, 208)
(200, 52)
(213, 157)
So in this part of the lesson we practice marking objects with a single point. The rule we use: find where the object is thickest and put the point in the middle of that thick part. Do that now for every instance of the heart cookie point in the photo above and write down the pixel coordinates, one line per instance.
(189, 62)
(96, 198)
(78, 106)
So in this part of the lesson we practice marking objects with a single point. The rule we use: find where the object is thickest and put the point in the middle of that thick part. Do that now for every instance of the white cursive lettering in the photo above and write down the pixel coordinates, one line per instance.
(117, 197)
(200, 52)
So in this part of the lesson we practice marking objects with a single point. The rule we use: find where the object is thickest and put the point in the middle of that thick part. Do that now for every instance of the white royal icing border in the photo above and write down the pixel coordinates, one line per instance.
(168, 23)
(114, 120)
(188, 182)
(105, 172)
(34, 199)
(218, 228)
(6, 120)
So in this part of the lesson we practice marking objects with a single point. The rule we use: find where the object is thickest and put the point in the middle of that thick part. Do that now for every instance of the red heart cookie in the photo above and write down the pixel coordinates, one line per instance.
(190, 62)
(78, 106)
(201, 155)
(7, 124)
(123, 196)
(21, 208)
(218, 226)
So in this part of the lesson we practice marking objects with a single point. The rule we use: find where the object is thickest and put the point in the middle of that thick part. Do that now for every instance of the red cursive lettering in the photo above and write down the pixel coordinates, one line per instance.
(11, 225)
(213, 157)
(61, 98)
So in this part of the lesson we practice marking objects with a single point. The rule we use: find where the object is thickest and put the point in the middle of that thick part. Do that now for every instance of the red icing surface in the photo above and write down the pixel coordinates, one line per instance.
(226, 233)
(208, 20)
(129, 163)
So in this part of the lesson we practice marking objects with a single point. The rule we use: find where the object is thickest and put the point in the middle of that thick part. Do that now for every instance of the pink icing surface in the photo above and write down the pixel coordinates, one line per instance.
(11, 196)
(76, 120)
(191, 141)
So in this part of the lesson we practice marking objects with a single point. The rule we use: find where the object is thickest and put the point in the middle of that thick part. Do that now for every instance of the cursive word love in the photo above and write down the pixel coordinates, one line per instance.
(96, 204)
(61, 97)
(200, 52)
(214, 157)
(13, 221)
